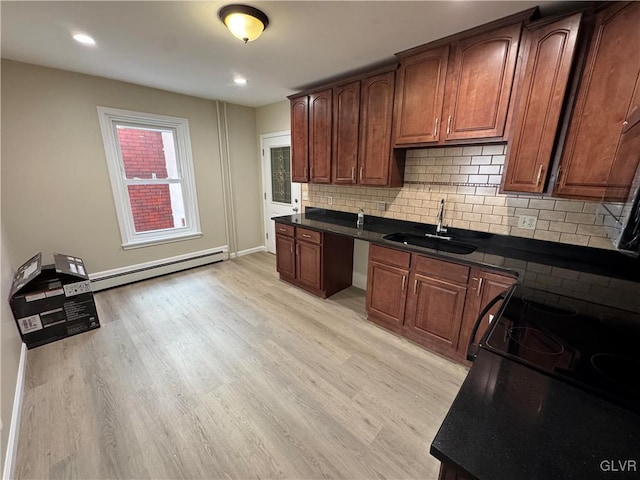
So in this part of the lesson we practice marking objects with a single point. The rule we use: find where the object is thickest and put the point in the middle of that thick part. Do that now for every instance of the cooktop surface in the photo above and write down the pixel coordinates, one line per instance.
(591, 346)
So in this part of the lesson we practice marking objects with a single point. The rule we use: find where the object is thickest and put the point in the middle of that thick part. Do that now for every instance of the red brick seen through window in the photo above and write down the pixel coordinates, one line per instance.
(143, 157)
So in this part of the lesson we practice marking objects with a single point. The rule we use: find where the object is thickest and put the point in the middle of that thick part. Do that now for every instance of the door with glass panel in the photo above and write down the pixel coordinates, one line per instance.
(281, 196)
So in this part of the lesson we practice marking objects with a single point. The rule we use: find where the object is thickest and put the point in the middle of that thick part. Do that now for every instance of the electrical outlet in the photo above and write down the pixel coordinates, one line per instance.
(527, 222)
(330, 200)
(382, 206)
(305, 196)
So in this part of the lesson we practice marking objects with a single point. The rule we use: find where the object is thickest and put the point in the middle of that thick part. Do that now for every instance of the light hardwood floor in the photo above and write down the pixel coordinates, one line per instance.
(226, 372)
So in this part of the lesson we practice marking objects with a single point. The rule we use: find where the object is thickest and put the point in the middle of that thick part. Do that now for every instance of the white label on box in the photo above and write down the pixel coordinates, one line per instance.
(30, 324)
(34, 296)
(77, 288)
(53, 293)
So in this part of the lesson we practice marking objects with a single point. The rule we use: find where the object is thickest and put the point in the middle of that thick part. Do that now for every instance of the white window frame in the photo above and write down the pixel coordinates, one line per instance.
(109, 119)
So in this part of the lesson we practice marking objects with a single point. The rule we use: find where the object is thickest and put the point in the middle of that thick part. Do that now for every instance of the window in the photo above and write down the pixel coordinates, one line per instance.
(151, 171)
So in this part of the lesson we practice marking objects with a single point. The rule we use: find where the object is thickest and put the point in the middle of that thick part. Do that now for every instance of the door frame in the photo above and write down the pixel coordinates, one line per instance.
(265, 179)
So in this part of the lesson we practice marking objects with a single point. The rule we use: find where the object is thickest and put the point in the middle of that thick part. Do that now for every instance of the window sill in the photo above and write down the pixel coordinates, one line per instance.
(160, 241)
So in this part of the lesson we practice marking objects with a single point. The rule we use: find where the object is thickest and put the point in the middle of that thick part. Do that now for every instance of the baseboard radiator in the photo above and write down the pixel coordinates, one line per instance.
(156, 268)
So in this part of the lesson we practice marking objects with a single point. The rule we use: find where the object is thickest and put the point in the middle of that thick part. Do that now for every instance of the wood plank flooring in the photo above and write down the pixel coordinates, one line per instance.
(226, 372)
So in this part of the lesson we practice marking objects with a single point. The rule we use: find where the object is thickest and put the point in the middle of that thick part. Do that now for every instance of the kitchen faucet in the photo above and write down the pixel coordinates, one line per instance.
(439, 227)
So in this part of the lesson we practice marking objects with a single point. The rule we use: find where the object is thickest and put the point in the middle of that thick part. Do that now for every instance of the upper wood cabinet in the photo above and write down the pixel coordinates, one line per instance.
(458, 92)
(320, 136)
(346, 125)
(548, 53)
(376, 114)
(420, 95)
(300, 139)
(348, 132)
(479, 84)
(608, 93)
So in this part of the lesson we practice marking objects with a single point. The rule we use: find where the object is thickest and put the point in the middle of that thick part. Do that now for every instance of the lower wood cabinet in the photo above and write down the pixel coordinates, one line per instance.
(432, 302)
(320, 263)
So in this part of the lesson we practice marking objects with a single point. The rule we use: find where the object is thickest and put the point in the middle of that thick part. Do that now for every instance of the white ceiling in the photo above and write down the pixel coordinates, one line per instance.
(183, 47)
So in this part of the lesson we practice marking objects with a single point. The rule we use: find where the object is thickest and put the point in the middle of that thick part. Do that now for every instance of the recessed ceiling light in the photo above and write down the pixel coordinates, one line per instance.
(84, 39)
(240, 81)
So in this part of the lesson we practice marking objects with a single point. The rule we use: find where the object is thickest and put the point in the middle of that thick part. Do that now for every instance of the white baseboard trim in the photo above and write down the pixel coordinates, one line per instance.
(155, 268)
(248, 251)
(8, 471)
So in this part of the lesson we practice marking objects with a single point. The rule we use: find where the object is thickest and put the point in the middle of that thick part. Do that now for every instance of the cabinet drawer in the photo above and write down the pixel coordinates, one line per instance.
(453, 272)
(283, 229)
(308, 235)
(389, 256)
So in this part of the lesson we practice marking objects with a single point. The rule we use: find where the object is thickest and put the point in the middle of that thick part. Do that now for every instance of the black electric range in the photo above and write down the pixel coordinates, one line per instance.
(592, 346)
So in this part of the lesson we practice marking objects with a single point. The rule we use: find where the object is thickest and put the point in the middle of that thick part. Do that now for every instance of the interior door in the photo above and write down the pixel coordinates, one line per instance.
(281, 196)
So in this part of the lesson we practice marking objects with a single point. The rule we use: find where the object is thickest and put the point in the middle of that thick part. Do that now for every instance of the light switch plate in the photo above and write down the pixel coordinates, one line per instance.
(330, 200)
(382, 206)
(305, 196)
(527, 222)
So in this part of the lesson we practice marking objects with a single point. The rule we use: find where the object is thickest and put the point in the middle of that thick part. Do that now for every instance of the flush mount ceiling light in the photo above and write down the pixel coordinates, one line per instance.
(244, 22)
(240, 81)
(84, 39)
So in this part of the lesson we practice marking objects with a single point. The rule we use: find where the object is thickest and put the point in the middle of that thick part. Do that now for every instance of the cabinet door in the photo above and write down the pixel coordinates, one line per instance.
(309, 264)
(346, 123)
(550, 51)
(285, 255)
(607, 94)
(419, 96)
(386, 293)
(320, 136)
(485, 286)
(434, 312)
(300, 139)
(374, 156)
(479, 86)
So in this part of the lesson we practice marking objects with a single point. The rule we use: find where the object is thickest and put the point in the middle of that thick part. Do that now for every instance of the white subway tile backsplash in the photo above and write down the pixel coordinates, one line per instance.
(444, 172)
(493, 150)
(473, 150)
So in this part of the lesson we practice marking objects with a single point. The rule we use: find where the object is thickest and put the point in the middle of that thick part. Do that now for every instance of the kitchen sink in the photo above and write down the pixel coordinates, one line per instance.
(444, 244)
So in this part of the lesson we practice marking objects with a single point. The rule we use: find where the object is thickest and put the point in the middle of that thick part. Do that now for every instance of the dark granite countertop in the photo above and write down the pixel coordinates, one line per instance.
(512, 422)
(587, 259)
(583, 272)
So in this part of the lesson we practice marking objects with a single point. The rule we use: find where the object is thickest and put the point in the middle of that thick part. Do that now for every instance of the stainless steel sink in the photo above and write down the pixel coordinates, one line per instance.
(444, 244)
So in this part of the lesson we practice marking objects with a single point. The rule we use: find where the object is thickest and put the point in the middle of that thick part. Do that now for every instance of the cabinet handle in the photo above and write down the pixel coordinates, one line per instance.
(539, 175)
(311, 171)
(306, 236)
(625, 123)
(297, 249)
(282, 229)
(415, 286)
(306, 169)
(480, 285)
(353, 174)
(404, 282)
(292, 248)
(449, 125)
(361, 169)
(435, 128)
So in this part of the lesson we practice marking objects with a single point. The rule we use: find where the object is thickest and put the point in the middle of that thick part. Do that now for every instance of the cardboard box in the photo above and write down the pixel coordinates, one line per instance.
(52, 302)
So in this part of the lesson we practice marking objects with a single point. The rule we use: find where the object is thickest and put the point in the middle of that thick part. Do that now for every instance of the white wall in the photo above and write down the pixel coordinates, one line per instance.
(10, 344)
(56, 194)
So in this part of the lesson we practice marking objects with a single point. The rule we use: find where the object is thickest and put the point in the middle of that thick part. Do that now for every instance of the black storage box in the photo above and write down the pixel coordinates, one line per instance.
(52, 302)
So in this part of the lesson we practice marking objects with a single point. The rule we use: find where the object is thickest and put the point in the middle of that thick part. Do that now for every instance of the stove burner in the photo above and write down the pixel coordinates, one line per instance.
(619, 370)
(536, 340)
(550, 306)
